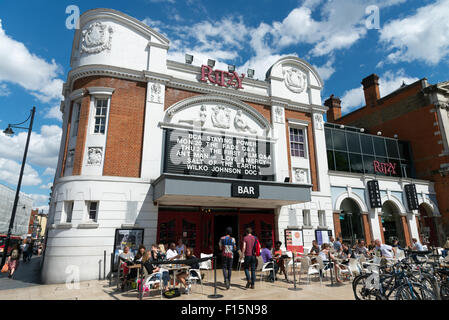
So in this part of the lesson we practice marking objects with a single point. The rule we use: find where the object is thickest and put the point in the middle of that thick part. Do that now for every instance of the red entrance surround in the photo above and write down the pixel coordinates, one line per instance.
(196, 226)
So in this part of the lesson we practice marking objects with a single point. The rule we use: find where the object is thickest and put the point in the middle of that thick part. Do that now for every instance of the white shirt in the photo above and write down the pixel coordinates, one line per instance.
(386, 250)
(171, 253)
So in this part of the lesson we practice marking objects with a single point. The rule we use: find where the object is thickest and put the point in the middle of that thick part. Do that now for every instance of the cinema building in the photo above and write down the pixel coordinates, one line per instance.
(174, 150)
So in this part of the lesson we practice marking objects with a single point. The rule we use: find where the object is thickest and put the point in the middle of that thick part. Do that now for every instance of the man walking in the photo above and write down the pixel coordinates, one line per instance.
(250, 259)
(24, 248)
(227, 247)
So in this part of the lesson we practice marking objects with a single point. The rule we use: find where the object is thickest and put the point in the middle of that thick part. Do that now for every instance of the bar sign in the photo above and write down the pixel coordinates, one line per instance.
(245, 190)
(374, 194)
(412, 197)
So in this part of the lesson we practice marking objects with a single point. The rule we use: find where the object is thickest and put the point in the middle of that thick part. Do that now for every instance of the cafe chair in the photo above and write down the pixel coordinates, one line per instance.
(241, 259)
(195, 277)
(400, 254)
(206, 265)
(308, 269)
(290, 262)
(267, 268)
(151, 280)
(260, 263)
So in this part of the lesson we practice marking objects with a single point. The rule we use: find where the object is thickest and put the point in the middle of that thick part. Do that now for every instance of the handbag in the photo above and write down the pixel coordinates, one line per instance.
(5, 268)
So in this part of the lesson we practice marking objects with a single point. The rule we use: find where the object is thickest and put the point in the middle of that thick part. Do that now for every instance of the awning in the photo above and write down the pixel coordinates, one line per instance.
(171, 189)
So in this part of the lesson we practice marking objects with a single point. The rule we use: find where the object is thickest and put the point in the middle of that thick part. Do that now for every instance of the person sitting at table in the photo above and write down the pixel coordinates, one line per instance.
(151, 269)
(181, 248)
(329, 260)
(278, 258)
(267, 257)
(192, 262)
(337, 245)
(346, 254)
(361, 249)
(137, 259)
(315, 250)
(161, 252)
(172, 254)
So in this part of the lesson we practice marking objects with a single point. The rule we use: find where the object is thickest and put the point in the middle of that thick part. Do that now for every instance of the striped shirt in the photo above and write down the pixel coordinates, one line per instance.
(227, 246)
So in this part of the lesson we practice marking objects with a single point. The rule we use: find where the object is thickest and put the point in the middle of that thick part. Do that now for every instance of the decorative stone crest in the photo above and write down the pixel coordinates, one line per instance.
(295, 80)
(279, 115)
(156, 93)
(301, 175)
(95, 156)
(197, 122)
(241, 125)
(96, 38)
(221, 117)
(318, 121)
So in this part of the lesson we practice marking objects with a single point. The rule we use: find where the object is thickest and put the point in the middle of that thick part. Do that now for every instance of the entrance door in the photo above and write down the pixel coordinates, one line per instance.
(391, 221)
(262, 224)
(175, 225)
(221, 222)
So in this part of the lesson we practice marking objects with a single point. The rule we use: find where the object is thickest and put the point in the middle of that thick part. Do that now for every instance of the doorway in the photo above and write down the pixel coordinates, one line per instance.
(221, 222)
(391, 221)
(351, 222)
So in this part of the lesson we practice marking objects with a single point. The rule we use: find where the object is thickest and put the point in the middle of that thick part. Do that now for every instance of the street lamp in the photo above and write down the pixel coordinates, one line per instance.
(10, 132)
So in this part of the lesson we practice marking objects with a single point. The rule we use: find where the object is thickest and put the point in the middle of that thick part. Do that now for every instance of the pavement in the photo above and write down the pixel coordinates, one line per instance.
(26, 275)
(26, 286)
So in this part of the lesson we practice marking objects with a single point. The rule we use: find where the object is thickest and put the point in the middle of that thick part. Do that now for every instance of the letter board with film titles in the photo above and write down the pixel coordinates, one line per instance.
(374, 194)
(210, 155)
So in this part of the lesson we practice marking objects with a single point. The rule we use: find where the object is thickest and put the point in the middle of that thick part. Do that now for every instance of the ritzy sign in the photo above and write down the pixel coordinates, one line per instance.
(221, 78)
(385, 168)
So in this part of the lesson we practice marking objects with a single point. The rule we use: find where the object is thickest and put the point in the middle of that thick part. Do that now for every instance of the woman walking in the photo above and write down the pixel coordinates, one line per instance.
(13, 260)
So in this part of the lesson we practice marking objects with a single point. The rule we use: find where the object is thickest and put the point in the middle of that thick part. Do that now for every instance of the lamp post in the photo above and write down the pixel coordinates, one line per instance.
(10, 132)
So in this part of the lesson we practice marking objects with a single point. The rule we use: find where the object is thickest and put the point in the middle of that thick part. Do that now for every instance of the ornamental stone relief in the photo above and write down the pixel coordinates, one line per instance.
(96, 38)
(318, 121)
(94, 156)
(70, 158)
(295, 80)
(200, 121)
(279, 115)
(300, 175)
(221, 117)
(240, 123)
(156, 93)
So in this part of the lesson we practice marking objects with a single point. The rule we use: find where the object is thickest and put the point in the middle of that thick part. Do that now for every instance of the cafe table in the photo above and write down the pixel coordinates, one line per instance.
(172, 268)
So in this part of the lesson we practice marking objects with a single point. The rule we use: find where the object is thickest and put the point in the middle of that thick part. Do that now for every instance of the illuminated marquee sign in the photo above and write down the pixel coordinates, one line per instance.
(385, 168)
(221, 78)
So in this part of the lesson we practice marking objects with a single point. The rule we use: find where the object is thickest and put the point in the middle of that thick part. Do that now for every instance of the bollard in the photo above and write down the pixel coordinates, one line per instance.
(215, 295)
(104, 266)
(112, 269)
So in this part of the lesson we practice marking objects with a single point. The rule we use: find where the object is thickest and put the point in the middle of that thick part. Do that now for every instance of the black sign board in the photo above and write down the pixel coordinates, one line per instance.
(374, 194)
(214, 155)
(245, 190)
(412, 197)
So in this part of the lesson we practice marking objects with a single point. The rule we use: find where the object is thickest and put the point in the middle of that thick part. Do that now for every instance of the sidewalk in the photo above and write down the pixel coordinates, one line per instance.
(100, 290)
(27, 275)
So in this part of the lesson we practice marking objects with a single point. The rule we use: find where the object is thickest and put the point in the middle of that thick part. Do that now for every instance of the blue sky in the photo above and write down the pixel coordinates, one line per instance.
(412, 42)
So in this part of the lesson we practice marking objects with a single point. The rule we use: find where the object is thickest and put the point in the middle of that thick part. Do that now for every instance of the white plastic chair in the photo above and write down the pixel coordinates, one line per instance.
(290, 262)
(206, 265)
(195, 277)
(259, 264)
(307, 268)
(151, 280)
(241, 260)
(267, 268)
(400, 254)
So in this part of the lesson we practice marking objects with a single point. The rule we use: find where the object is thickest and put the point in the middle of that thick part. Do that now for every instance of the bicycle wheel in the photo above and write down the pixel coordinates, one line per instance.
(414, 291)
(444, 291)
(360, 290)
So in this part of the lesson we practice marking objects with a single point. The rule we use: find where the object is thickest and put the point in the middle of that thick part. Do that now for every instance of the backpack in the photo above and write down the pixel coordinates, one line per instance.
(256, 248)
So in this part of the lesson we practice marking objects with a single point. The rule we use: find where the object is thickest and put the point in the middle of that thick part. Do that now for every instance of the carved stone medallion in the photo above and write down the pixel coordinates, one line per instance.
(95, 156)
(279, 115)
(318, 121)
(96, 38)
(241, 125)
(156, 93)
(301, 175)
(221, 117)
(295, 80)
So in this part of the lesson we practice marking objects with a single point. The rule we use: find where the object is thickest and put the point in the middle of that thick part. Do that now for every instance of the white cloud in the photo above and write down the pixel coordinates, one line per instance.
(4, 90)
(388, 82)
(327, 70)
(53, 113)
(46, 186)
(423, 36)
(43, 149)
(19, 66)
(10, 170)
(49, 172)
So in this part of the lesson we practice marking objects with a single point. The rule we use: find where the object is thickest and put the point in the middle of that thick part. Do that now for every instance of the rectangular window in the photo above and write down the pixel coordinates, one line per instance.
(297, 143)
(92, 210)
(70, 158)
(68, 211)
(306, 218)
(101, 111)
(76, 121)
(322, 218)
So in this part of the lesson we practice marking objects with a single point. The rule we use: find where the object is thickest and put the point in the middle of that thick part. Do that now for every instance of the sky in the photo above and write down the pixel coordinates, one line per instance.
(346, 41)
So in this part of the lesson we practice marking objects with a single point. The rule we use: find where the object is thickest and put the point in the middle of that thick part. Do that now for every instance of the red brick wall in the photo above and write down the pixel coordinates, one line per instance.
(81, 138)
(123, 154)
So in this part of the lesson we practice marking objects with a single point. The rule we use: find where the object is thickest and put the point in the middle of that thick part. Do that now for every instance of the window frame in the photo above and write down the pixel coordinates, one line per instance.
(306, 218)
(322, 218)
(67, 208)
(303, 128)
(89, 210)
(105, 116)
(76, 118)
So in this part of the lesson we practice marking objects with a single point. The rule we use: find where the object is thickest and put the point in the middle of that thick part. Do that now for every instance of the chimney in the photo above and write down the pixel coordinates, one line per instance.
(371, 89)
(334, 105)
